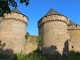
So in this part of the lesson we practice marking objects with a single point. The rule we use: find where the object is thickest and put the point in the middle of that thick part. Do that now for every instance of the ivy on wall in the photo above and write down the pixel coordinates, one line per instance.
(38, 39)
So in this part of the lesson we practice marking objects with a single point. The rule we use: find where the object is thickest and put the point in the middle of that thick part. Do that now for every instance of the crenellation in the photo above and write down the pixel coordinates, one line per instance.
(55, 18)
(48, 21)
(48, 18)
(15, 16)
(14, 19)
(5, 14)
(55, 29)
(13, 25)
(74, 27)
(52, 31)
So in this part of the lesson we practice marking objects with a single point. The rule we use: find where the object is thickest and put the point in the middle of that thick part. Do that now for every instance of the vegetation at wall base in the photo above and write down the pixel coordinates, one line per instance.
(5, 54)
(35, 55)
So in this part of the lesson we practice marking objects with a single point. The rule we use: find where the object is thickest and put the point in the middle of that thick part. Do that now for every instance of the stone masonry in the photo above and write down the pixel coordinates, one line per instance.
(57, 30)
(13, 30)
(58, 33)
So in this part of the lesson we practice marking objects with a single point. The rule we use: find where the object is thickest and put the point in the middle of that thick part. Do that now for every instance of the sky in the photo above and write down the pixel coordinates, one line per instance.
(38, 8)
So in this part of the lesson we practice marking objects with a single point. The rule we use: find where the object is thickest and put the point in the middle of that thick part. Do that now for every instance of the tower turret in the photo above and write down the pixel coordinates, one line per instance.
(74, 31)
(53, 31)
(13, 30)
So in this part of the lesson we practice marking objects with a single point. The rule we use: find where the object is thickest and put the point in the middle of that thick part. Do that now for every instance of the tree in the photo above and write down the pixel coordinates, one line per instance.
(5, 5)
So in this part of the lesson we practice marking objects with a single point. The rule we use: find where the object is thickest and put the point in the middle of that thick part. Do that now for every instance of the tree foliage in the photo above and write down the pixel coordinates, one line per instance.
(5, 5)
(38, 39)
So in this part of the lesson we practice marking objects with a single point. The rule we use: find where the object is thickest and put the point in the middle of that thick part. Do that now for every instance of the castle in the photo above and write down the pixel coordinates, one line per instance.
(55, 29)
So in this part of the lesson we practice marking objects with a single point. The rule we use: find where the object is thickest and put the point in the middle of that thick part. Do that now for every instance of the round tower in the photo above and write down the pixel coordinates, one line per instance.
(53, 32)
(13, 30)
(74, 31)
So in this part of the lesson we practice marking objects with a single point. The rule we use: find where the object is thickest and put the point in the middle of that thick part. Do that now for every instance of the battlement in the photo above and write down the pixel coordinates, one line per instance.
(74, 27)
(53, 18)
(15, 16)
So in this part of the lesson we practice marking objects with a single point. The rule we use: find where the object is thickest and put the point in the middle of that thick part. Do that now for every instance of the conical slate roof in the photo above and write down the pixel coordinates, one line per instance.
(72, 23)
(15, 10)
(52, 12)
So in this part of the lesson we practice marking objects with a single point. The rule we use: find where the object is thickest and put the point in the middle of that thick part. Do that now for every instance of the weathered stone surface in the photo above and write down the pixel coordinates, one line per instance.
(58, 34)
(74, 39)
(31, 44)
(54, 33)
(13, 30)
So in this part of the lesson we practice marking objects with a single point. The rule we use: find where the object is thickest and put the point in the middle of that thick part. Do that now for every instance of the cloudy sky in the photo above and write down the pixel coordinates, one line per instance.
(38, 8)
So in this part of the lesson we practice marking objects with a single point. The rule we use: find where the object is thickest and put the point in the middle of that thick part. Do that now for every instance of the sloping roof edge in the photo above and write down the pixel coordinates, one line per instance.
(72, 23)
(15, 10)
(52, 12)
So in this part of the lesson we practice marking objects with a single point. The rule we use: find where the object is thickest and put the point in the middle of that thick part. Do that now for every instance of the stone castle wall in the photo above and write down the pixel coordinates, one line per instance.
(53, 18)
(74, 32)
(56, 36)
(53, 31)
(31, 44)
(13, 30)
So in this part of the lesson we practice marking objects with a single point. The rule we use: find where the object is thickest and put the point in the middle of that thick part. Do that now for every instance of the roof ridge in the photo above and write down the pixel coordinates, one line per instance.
(15, 10)
(72, 23)
(52, 12)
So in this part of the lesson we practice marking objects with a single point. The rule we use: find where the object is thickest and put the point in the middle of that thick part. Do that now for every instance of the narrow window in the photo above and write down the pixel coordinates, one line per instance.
(70, 39)
(72, 46)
